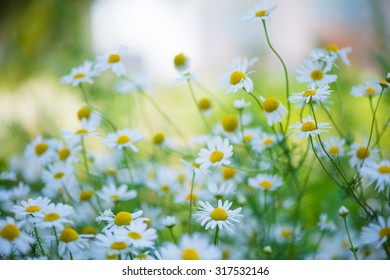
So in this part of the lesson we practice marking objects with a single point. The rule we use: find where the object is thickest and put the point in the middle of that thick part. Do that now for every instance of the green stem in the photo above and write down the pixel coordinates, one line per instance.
(39, 240)
(376, 126)
(285, 74)
(318, 244)
(85, 157)
(332, 120)
(349, 238)
(190, 207)
(173, 236)
(216, 236)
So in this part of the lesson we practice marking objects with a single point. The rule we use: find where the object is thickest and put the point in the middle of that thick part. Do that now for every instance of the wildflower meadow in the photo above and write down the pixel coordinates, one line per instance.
(273, 175)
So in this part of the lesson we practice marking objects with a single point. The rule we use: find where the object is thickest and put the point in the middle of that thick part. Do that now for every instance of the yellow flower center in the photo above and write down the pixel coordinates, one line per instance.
(181, 176)
(58, 175)
(384, 169)
(236, 77)
(83, 113)
(89, 230)
(270, 104)
(111, 171)
(228, 173)
(165, 188)
(317, 75)
(332, 48)
(261, 13)
(216, 156)
(308, 126)
(69, 235)
(268, 141)
(134, 235)
(122, 139)
(115, 197)
(41, 148)
(190, 254)
(384, 232)
(10, 232)
(226, 254)
(114, 58)
(118, 245)
(362, 153)
(195, 165)
(123, 219)
(266, 184)
(179, 60)
(79, 76)
(219, 214)
(192, 197)
(148, 222)
(286, 233)
(111, 256)
(309, 93)
(248, 137)
(51, 217)
(230, 123)
(204, 103)
(370, 91)
(334, 150)
(33, 209)
(158, 138)
(86, 195)
(63, 154)
(141, 256)
(82, 131)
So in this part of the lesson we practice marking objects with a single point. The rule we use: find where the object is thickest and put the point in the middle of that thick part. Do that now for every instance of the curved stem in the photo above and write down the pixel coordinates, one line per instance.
(191, 200)
(333, 121)
(173, 236)
(376, 126)
(349, 238)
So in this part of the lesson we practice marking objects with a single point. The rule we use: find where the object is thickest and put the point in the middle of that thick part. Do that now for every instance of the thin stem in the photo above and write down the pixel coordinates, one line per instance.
(349, 238)
(285, 73)
(386, 125)
(126, 152)
(190, 207)
(318, 244)
(216, 236)
(39, 240)
(85, 157)
(332, 120)
(172, 235)
(376, 126)
(257, 101)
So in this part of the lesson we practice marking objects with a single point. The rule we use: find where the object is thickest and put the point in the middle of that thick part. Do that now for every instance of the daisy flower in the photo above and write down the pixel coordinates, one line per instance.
(265, 141)
(274, 111)
(31, 207)
(325, 224)
(369, 88)
(67, 152)
(139, 235)
(7, 176)
(55, 215)
(335, 147)
(195, 168)
(190, 247)
(237, 77)
(378, 173)
(307, 128)
(71, 244)
(88, 128)
(186, 76)
(312, 94)
(286, 233)
(230, 123)
(221, 190)
(341, 53)
(111, 193)
(218, 153)
(80, 74)
(57, 175)
(12, 239)
(181, 62)
(114, 244)
(221, 216)
(169, 221)
(40, 151)
(260, 11)
(204, 105)
(359, 153)
(241, 104)
(376, 233)
(123, 138)
(313, 72)
(19, 192)
(266, 182)
(122, 220)
(164, 181)
(328, 58)
(113, 61)
(142, 255)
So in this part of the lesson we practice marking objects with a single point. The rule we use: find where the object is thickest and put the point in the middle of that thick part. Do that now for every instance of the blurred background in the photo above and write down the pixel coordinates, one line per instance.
(41, 40)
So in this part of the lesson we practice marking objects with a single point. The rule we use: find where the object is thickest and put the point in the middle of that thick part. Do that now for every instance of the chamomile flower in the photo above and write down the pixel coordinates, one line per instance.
(328, 58)
(114, 244)
(220, 217)
(121, 220)
(368, 89)
(190, 247)
(169, 221)
(55, 215)
(311, 94)
(67, 152)
(57, 175)
(261, 11)
(237, 77)
(40, 151)
(274, 110)
(265, 141)
(341, 53)
(7, 176)
(325, 224)
(186, 76)
(140, 235)
(241, 104)
(204, 105)
(266, 182)
(314, 73)
(335, 147)
(360, 153)
(285, 233)
(164, 181)
(376, 233)
(181, 62)
(13, 239)
(378, 173)
(218, 153)
(19, 192)
(221, 190)
(123, 138)
(87, 128)
(195, 168)
(307, 128)
(72, 245)
(80, 74)
(31, 207)
(112, 193)
(113, 61)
